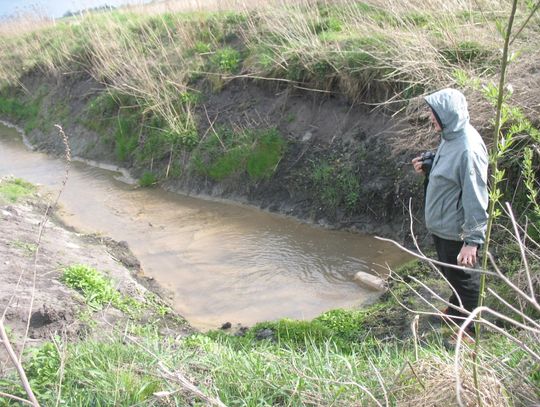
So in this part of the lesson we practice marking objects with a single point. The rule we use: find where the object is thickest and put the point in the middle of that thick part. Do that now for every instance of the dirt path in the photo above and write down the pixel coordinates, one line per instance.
(57, 309)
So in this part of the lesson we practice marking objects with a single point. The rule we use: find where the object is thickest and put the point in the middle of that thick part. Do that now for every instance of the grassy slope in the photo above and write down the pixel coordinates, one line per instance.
(158, 67)
(333, 360)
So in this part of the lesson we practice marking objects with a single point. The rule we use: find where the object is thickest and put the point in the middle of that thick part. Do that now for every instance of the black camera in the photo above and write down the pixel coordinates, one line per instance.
(427, 161)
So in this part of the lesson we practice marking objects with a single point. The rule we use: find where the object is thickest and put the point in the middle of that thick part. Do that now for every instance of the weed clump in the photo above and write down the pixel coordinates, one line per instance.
(43, 369)
(96, 289)
(226, 60)
(234, 154)
(147, 179)
(335, 185)
(14, 189)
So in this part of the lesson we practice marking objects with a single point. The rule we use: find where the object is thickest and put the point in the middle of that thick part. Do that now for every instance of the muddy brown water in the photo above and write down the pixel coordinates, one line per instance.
(222, 262)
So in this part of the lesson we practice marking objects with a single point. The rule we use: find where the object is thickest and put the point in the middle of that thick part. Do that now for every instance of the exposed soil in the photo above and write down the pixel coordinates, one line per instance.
(318, 128)
(30, 278)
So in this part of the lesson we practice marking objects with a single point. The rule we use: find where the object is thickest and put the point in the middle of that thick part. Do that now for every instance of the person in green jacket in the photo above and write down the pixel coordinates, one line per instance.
(456, 196)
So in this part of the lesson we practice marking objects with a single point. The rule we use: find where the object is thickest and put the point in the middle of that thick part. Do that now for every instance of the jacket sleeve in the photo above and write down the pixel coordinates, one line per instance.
(473, 173)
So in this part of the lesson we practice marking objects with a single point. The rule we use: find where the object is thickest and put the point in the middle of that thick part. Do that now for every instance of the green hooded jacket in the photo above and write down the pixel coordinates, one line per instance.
(456, 195)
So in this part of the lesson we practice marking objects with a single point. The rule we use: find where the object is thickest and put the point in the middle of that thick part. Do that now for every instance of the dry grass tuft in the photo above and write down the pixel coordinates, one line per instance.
(24, 23)
(437, 380)
(376, 52)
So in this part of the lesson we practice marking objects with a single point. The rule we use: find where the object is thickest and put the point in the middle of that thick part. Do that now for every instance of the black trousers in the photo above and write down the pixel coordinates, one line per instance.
(465, 283)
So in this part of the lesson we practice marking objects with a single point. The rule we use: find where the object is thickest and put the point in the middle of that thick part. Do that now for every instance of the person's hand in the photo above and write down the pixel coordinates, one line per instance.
(467, 256)
(417, 164)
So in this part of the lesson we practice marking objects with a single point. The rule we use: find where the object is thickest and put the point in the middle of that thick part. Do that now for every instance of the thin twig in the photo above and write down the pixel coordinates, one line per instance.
(186, 384)
(381, 382)
(415, 375)
(519, 312)
(16, 362)
(11, 396)
(440, 263)
(533, 11)
(411, 228)
(517, 290)
(62, 356)
(414, 329)
(211, 123)
(340, 383)
(41, 230)
(522, 250)
(15, 289)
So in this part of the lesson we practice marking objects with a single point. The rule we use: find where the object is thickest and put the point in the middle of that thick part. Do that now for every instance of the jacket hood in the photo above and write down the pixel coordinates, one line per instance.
(450, 108)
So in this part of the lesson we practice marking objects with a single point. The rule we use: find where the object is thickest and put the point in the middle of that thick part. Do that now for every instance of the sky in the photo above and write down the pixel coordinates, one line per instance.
(54, 8)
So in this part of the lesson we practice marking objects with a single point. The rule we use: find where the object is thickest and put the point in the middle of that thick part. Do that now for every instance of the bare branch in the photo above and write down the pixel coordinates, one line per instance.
(516, 289)
(411, 228)
(440, 263)
(522, 250)
(18, 365)
(521, 314)
(11, 396)
(533, 11)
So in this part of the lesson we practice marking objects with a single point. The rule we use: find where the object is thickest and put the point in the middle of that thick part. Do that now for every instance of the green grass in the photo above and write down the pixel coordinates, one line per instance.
(96, 289)
(28, 248)
(15, 189)
(126, 135)
(467, 52)
(268, 374)
(230, 163)
(42, 370)
(101, 111)
(119, 115)
(225, 42)
(99, 291)
(343, 328)
(330, 360)
(255, 153)
(334, 185)
(157, 66)
(226, 60)
(26, 112)
(246, 371)
(148, 179)
(105, 373)
(265, 157)
(136, 133)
